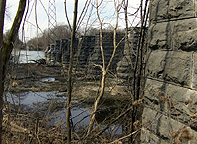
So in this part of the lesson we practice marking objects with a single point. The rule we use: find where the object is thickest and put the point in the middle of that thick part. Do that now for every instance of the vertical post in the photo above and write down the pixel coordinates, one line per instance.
(69, 80)
(2, 14)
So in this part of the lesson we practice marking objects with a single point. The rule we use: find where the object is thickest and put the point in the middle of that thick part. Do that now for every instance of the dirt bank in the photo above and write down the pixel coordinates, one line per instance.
(35, 77)
(39, 77)
(22, 121)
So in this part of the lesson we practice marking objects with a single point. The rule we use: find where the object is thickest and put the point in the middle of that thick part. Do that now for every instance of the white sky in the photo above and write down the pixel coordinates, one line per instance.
(31, 29)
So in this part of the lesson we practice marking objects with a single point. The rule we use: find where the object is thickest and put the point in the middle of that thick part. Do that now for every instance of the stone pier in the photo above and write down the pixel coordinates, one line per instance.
(170, 97)
(87, 53)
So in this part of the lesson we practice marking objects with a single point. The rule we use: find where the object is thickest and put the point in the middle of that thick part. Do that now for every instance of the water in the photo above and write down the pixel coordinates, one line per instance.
(25, 56)
(42, 100)
(77, 112)
(30, 98)
(50, 79)
(83, 119)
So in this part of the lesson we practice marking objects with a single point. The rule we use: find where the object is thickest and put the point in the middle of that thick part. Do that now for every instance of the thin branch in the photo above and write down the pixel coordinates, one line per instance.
(23, 27)
(129, 135)
(13, 32)
(84, 8)
(117, 118)
(67, 16)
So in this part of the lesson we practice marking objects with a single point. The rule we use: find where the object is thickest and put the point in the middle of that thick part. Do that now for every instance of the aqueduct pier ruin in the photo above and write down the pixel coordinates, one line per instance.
(170, 96)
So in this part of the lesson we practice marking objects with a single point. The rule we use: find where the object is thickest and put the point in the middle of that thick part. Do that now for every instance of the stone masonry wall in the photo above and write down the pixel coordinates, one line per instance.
(85, 50)
(170, 97)
(87, 53)
(124, 69)
(96, 57)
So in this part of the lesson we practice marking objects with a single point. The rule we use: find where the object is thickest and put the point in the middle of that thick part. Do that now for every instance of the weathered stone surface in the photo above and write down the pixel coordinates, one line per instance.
(158, 36)
(149, 138)
(158, 10)
(181, 8)
(170, 96)
(178, 101)
(178, 68)
(153, 91)
(168, 9)
(183, 104)
(194, 72)
(156, 64)
(188, 40)
(164, 127)
(170, 66)
(173, 35)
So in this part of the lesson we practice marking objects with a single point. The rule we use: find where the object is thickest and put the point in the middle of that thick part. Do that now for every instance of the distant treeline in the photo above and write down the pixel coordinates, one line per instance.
(48, 37)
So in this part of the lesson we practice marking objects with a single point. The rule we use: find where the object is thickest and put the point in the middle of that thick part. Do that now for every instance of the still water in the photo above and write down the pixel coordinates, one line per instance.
(31, 98)
(37, 100)
(42, 100)
(25, 56)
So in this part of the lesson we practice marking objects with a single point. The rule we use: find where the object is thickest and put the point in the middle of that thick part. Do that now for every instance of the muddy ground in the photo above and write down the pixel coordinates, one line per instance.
(38, 77)
(29, 77)
(21, 123)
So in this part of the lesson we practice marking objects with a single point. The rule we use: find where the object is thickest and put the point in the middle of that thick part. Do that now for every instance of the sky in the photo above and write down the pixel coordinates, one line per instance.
(31, 26)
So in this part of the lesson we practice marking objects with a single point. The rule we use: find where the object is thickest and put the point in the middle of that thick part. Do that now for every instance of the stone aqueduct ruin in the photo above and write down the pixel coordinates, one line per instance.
(87, 53)
(170, 96)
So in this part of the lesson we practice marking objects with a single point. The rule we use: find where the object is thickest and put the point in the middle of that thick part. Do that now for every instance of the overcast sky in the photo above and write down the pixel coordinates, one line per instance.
(107, 14)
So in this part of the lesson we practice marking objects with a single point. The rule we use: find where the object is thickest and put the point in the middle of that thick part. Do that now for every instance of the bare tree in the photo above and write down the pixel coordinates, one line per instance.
(6, 48)
(59, 32)
(139, 68)
(2, 14)
(69, 80)
(103, 68)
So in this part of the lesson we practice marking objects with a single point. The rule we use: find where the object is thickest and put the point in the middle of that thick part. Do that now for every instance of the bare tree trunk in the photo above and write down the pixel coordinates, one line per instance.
(6, 49)
(2, 14)
(1, 94)
(96, 104)
(126, 20)
(138, 80)
(104, 70)
(69, 80)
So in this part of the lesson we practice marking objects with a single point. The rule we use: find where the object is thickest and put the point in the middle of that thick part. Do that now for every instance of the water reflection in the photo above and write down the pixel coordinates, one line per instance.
(48, 79)
(25, 56)
(30, 98)
(80, 116)
(41, 101)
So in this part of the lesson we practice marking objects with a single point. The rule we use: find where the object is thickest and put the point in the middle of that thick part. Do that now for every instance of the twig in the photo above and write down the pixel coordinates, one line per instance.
(125, 136)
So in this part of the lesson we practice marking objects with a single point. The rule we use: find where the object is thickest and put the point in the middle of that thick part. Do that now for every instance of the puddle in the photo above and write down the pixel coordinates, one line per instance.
(42, 100)
(30, 98)
(77, 112)
(38, 99)
(48, 79)
(81, 120)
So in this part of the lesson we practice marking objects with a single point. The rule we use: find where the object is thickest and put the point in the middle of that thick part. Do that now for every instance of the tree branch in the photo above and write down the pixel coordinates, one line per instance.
(7, 48)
